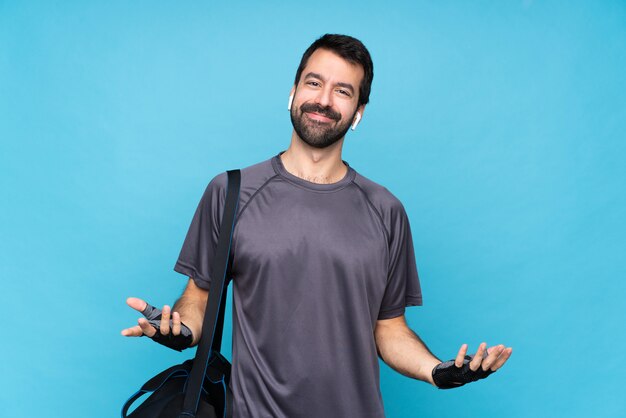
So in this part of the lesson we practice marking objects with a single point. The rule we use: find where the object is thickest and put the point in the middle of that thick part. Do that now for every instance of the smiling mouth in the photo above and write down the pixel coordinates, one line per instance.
(317, 117)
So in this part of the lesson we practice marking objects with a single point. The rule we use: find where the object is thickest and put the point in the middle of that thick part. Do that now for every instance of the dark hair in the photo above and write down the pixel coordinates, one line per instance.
(350, 49)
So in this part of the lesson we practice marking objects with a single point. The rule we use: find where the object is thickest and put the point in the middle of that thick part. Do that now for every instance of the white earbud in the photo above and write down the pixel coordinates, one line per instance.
(357, 119)
(290, 102)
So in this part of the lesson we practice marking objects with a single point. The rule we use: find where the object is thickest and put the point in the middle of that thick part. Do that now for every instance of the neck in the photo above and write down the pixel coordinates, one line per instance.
(316, 165)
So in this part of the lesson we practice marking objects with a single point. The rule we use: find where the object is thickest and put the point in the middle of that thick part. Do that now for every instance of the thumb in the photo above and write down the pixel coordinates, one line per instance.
(137, 304)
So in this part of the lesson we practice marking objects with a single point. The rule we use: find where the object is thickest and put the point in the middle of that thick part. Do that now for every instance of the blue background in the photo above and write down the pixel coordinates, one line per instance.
(500, 125)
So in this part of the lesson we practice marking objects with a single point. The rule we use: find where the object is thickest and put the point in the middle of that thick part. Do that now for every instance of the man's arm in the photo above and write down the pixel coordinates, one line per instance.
(403, 350)
(191, 306)
(406, 353)
(188, 309)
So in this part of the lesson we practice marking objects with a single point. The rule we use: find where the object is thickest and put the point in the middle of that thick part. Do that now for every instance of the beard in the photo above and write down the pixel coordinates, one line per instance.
(316, 133)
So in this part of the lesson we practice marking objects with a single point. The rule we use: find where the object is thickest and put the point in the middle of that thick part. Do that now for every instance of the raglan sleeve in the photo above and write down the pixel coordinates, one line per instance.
(403, 286)
(196, 255)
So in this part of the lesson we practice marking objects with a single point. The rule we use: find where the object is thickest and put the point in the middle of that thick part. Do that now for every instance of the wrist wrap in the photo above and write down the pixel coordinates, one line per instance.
(175, 342)
(447, 376)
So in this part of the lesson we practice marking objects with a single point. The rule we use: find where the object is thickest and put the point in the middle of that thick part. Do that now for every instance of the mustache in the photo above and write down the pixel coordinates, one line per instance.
(324, 111)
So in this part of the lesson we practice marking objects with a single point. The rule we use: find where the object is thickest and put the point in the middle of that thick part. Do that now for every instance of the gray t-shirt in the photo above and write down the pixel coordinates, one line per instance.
(314, 266)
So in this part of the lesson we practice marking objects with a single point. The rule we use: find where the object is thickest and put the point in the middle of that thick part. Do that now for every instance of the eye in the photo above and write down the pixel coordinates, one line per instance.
(344, 92)
(313, 83)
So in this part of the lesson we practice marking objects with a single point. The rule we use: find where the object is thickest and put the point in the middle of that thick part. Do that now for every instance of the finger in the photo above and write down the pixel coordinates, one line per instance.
(494, 352)
(175, 323)
(146, 328)
(478, 357)
(137, 304)
(458, 362)
(132, 331)
(165, 320)
(506, 353)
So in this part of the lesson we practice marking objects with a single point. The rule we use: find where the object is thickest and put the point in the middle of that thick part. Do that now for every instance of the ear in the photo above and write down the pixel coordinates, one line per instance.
(291, 94)
(358, 116)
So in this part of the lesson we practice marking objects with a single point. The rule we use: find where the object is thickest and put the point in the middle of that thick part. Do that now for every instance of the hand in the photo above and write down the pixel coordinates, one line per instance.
(465, 369)
(157, 325)
(491, 358)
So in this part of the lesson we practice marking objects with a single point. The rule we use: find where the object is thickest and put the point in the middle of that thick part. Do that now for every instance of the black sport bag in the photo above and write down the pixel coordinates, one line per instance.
(199, 386)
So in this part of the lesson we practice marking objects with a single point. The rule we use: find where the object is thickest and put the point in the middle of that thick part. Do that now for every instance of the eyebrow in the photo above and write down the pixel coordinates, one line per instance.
(340, 84)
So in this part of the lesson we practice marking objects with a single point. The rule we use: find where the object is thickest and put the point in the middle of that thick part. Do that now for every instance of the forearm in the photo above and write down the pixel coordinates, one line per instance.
(191, 306)
(405, 352)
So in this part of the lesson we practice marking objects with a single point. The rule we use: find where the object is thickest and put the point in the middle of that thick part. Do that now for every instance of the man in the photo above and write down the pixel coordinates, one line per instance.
(322, 266)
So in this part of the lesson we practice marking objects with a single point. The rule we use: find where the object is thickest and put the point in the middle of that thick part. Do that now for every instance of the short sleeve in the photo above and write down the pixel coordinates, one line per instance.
(403, 286)
(196, 256)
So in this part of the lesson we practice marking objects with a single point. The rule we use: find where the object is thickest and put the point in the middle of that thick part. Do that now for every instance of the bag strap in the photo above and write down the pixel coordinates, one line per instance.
(156, 382)
(215, 299)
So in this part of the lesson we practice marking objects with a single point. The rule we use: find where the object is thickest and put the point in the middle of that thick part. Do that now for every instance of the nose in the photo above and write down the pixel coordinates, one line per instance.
(325, 97)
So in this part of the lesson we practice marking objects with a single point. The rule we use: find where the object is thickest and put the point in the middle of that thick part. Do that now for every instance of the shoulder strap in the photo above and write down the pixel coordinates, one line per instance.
(216, 290)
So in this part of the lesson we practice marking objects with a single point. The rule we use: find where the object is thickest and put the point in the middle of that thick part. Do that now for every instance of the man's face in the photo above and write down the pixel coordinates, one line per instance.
(326, 99)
